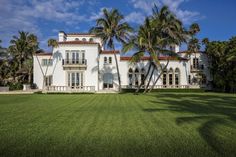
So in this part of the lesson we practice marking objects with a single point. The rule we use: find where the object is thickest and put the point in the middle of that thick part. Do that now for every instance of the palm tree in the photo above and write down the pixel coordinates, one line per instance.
(142, 42)
(194, 29)
(22, 48)
(51, 43)
(159, 31)
(170, 32)
(111, 28)
(205, 41)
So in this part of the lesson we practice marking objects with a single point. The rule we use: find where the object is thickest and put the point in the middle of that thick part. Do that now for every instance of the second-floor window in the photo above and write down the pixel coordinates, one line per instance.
(110, 60)
(75, 57)
(46, 62)
(195, 63)
(105, 60)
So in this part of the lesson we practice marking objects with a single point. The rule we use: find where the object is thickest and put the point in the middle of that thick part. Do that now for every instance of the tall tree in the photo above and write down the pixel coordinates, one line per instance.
(51, 43)
(158, 32)
(22, 49)
(110, 28)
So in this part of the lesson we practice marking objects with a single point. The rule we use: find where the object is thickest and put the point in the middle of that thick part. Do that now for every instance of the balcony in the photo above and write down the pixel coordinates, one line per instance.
(197, 68)
(74, 63)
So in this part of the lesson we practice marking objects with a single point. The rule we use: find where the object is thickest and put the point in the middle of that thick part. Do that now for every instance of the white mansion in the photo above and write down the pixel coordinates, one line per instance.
(80, 64)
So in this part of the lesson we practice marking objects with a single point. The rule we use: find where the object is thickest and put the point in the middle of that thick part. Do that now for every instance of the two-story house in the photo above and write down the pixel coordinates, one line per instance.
(80, 64)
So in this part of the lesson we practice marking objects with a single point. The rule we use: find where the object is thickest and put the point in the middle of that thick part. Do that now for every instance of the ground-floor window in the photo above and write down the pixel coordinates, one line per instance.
(48, 80)
(136, 77)
(164, 79)
(204, 79)
(177, 75)
(171, 77)
(75, 79)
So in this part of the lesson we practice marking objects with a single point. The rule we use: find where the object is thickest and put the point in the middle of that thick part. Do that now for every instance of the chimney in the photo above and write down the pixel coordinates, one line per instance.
(62, 36)
(176, 48)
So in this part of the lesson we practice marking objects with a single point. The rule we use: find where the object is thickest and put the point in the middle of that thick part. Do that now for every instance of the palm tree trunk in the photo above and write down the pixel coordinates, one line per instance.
(41, 69)
(149, 68)
(162, 71)
(45, 74)
(150, 78)
(117, 69)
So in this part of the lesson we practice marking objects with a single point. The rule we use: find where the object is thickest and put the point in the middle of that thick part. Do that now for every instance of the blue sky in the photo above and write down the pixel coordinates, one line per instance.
(45, 18)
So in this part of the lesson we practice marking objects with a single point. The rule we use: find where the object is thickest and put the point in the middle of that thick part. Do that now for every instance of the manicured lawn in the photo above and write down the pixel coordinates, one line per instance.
(119, 125)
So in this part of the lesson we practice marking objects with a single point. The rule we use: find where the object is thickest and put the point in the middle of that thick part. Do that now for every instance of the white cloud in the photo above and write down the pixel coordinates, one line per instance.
(27, 15)
(95, 15)
(135, 17)
(146, 6)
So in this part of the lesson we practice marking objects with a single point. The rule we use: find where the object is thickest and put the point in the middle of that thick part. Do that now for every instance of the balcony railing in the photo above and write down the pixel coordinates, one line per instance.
(164, 86)
(66, 89)
(197, 68)
(74, 62)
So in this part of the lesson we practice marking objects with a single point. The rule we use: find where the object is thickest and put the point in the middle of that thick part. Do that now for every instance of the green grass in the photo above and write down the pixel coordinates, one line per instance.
(118, 125)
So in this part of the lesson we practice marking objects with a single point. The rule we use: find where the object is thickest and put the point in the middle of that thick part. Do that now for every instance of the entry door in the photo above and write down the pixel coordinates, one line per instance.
(107, 81)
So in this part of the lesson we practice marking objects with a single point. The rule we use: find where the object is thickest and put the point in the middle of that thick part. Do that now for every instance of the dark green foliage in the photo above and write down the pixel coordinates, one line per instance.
(118, 125)
(15, 86)
(222, 57)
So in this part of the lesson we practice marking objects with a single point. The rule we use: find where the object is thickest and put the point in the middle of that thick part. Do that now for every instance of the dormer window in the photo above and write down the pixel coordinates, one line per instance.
(76, 39)
(110, 60)
(105, 60)
(84, 39)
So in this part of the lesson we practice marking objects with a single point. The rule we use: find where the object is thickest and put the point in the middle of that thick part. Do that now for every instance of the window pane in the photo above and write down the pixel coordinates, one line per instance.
(110, 60)
(77, 79)
(170, 79)
(73, 79)
(164, 79)
(68, 79)
(82, 79)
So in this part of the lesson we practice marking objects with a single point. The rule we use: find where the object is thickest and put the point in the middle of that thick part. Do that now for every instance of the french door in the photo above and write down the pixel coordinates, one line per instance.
(75, 79)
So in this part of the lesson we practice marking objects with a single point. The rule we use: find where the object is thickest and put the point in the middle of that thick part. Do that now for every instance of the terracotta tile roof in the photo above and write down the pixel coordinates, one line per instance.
(76, 42)
(109, 52)
(187, 51)
(44, 54)
(147, 58)
(79, 34)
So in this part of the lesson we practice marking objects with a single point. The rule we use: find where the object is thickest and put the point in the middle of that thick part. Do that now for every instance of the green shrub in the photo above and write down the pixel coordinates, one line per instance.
(15, 86)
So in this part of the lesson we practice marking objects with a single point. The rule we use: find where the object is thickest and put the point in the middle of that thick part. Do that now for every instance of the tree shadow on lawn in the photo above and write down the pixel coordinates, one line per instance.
(209, 110)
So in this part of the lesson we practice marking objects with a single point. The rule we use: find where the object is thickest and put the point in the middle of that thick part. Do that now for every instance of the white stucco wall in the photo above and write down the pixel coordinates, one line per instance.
(95, 65)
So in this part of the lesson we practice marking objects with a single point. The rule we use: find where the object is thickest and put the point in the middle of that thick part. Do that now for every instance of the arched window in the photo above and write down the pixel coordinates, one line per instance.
(170, 75)
(189, 79)
(76, 39)
(110, 60)
(177, 76)
(91, 39)
(136, 77)
(130, 75)
(204, 79)
(142, 76)
(164, 79)
(84, 39)
(105, 60)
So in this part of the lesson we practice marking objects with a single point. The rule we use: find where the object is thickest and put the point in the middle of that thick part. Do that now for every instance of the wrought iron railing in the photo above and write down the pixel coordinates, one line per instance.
(74, 62)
